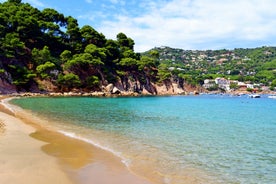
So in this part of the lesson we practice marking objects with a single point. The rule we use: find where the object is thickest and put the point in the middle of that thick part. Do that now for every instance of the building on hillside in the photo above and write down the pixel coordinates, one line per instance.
(251, 86)
(209, 83)
(223, 83)
(242, 86)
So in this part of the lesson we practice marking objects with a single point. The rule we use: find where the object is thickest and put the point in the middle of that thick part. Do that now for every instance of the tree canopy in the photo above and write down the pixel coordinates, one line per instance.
(44, 44)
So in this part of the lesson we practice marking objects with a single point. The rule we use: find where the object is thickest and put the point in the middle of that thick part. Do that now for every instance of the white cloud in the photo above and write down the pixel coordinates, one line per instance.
(92, 16)
(36, 3)
(114, 1)
(197, 24)
(89, 1)
(118, 2)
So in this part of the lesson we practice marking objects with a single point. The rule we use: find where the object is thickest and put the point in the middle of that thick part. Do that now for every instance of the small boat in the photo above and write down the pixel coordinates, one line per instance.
(254, 96)
(272, 96)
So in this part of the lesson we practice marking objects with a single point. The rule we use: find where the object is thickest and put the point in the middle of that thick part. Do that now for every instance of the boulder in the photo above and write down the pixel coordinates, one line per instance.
(109, 88)
(115, 90)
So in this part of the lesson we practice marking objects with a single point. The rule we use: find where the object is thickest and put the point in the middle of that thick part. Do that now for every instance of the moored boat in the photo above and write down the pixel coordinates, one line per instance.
(272, 96)
(254, 96)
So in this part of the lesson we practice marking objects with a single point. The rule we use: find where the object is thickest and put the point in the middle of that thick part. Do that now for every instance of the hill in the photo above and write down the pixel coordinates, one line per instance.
(46, 51)
(255, 65)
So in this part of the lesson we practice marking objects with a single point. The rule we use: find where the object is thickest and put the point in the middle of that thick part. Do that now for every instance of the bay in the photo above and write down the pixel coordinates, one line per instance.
(212, 138)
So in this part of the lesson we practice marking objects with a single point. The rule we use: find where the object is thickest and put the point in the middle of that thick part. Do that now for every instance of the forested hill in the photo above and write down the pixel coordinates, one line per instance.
(255, 65)
(45, 51)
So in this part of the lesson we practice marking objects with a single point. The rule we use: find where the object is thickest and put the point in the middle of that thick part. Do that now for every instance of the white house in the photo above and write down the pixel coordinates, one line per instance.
(223, 83)
(251, 86)
(209, 83)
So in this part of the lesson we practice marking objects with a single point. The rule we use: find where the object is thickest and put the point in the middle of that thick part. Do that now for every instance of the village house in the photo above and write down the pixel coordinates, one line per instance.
(219, 82)
(223, 83)
(209, 83)
(251, 86)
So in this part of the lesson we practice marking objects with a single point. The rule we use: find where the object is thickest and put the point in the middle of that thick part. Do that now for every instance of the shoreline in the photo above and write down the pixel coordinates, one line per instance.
(21, 159)
(126, 94)
(96, 165)
(103, 166)
(75, 161)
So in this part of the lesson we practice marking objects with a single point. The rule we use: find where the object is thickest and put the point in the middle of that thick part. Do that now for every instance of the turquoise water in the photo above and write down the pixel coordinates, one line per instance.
(211, 138)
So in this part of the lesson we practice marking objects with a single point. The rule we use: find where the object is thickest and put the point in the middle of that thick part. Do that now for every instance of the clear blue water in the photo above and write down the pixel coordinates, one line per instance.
(218, 138)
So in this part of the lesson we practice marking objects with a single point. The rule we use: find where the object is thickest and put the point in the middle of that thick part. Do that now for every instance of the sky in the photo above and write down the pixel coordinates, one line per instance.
(185, 24)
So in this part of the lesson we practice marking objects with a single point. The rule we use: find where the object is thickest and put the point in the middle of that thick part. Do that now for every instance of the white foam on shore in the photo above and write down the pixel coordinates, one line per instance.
(14, 109)
(124, 160)
(7, 105)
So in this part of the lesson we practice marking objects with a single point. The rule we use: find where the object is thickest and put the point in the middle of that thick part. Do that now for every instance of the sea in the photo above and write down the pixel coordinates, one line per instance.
(173, 139)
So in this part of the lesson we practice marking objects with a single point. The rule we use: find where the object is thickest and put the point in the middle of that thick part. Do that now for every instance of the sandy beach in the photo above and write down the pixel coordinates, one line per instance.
(32, 154)
(21, 159)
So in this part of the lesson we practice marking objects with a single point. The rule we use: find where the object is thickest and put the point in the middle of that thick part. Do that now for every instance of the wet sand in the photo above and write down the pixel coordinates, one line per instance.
(31, 154)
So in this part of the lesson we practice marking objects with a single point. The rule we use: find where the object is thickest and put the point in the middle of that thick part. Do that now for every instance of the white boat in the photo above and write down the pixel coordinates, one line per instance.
(254, 96)
(272, 96)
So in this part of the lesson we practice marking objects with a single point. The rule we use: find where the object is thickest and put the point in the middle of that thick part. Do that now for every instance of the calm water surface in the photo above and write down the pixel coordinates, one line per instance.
(217, 138)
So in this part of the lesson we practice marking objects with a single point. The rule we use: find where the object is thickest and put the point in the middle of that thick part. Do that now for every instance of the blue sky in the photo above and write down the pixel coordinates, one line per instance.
(186, 24)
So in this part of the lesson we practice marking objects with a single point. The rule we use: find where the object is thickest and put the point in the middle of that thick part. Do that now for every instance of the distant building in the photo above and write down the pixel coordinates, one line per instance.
(242, 86)
(223, 83)
(209, 83)
(251, 86)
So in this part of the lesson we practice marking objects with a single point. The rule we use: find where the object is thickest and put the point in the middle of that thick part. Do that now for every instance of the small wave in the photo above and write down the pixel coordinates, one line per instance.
(125, 161)
(7, 105)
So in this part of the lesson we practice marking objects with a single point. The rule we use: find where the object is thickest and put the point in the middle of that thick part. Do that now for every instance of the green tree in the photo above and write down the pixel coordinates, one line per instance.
(91, 36)
(40, 57)
(128, 62)
(124, 41)
(273, 83)
(96, 53)
(44, 69)
(22, 77)
(14, 1)
(73, 34)
(233, 85)
(12, 46)
(164, 73)
(112, 51)
(147, 63)
(92, 82)
(78, 62)
(88, 63)
(52, 16)
(65, 56)
(68, 81)
(92, 57)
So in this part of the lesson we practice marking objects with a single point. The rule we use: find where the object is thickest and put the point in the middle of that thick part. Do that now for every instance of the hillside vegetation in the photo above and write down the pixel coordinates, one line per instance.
(43, 50)
(48, 51)
(257, 65)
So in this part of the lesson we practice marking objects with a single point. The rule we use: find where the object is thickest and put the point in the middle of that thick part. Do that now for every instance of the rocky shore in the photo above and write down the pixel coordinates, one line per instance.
(109, 90)
(112, 90)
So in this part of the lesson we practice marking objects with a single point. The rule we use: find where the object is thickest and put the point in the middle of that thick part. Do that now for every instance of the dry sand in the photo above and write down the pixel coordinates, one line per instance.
(21, 159)
(31, 154)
